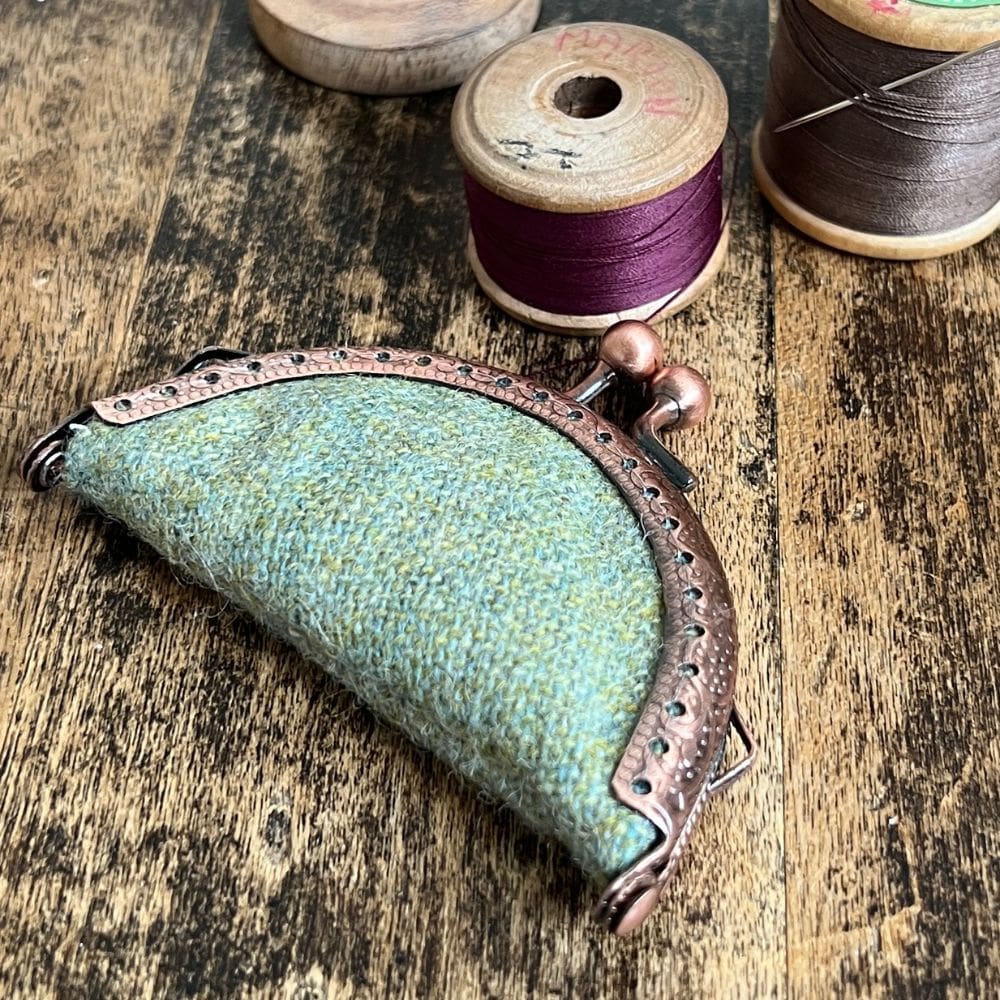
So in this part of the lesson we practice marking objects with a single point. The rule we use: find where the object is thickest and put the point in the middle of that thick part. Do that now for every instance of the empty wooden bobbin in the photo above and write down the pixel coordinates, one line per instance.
(587, 118)
(945, 29)
(388, 46)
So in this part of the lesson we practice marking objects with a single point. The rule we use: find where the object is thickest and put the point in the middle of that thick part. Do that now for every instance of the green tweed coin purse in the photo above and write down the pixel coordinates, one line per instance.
(506, 577)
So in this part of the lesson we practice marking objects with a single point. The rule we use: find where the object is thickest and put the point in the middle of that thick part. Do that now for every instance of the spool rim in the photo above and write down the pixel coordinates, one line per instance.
(512, 139)
(916, 25)
(328, 54)
(588, 326)
(882, 246)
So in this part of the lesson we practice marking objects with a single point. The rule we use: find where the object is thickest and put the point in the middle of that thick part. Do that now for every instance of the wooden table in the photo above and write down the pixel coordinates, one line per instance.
(183, 810)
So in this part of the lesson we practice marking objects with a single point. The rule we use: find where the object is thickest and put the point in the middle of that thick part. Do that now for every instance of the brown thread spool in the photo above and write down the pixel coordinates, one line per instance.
(388, 46)
(913, 26)
(639, 114)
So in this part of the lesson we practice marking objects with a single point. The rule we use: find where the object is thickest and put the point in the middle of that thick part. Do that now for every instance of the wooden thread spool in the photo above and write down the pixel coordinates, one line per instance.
(587, 118)
(388, 46)
(947, 30)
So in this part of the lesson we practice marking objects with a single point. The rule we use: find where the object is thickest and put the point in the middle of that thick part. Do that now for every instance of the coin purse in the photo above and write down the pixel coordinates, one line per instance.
(510, 579)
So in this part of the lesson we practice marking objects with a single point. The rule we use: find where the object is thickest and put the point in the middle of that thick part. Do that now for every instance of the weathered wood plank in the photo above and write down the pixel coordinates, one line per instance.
(94, 102)
(887, 403)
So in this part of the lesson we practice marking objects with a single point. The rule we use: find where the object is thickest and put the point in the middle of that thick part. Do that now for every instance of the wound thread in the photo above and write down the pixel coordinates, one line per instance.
(599, 262)
(916, 161)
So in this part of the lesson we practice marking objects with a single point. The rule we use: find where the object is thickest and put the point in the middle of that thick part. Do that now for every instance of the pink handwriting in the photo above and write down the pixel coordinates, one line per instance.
(641, 55)
(661, 107)
(881, 7)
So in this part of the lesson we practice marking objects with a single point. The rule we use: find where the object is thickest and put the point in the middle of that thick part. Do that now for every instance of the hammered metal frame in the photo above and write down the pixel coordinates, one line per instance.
(670, 765)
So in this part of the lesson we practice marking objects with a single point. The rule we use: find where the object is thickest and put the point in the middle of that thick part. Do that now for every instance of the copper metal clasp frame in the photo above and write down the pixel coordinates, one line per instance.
(680, 398)
(42, 463)
(631, 897)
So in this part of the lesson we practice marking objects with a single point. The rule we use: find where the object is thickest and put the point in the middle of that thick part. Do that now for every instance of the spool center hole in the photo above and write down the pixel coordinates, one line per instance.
(588, 96)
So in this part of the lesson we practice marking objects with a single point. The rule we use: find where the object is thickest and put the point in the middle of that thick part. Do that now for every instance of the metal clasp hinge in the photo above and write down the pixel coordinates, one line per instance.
(681, 398)
(43, 461)
(723, 781)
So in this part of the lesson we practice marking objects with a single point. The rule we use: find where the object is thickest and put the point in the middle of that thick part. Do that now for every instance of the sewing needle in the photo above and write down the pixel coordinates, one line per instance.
(866, 96)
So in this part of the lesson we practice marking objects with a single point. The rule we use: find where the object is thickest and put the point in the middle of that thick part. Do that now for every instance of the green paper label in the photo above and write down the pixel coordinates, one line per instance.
(959, 4)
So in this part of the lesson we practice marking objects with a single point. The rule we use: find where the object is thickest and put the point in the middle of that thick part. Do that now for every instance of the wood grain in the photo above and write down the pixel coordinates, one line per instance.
(888, 489)
(190, 811)
(95, 105)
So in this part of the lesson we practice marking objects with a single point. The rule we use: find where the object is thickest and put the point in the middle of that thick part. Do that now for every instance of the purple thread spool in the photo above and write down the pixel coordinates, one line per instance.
(593, 155)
